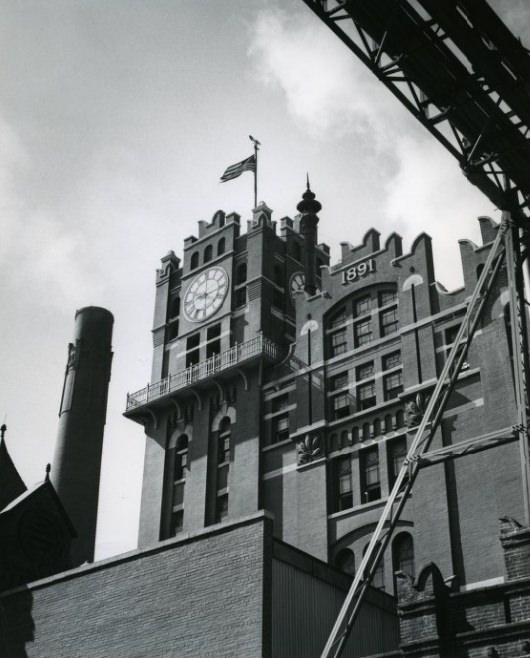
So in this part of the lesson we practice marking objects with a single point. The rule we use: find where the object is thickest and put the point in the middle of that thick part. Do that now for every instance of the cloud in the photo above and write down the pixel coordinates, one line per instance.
(12, 157)
(516, 15)
(429, 193)
(40, 256)
(329, 93)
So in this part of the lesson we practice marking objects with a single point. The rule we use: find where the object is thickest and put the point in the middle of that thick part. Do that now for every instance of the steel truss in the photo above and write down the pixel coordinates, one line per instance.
(506, 250)
(459, 70)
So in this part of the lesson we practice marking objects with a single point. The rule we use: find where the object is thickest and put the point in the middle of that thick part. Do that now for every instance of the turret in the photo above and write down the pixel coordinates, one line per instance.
(309, 207)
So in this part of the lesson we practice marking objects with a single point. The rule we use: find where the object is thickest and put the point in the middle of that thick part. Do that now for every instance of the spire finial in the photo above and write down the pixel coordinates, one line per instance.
(3, 431)
(308, 181)
(48, 469)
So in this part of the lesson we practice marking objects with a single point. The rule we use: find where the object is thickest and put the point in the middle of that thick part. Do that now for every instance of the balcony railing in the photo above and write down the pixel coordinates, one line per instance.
(216, 363)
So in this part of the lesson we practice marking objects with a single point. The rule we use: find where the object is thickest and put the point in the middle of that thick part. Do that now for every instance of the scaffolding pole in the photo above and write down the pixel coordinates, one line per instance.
(505, 249)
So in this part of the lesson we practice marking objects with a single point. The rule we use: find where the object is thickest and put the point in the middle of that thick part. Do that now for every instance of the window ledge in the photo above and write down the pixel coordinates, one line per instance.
(376, 409)
(271, 446)
(365, 507)
(311, 464)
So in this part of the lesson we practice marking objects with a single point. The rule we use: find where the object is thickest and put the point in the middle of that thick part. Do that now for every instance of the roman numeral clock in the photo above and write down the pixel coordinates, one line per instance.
(205, 295)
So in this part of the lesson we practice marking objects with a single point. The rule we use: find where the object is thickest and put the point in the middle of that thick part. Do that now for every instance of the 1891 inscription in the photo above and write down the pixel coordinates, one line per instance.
(356, 272)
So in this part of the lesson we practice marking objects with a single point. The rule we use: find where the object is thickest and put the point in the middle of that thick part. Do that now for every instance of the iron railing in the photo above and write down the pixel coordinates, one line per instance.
(199, 371)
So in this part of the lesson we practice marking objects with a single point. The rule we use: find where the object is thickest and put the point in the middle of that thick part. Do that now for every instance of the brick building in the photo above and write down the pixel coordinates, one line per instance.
(282, 383)
(284, 393)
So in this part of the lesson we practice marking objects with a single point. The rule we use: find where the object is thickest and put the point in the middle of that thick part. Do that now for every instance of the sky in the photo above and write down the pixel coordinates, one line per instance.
(117, 118)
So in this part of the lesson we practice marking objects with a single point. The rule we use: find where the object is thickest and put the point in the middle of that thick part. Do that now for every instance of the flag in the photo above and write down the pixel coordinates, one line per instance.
(235, 170)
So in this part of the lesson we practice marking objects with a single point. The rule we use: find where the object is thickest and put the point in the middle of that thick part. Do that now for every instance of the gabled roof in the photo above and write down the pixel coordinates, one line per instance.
(11, 484)
(42, 493)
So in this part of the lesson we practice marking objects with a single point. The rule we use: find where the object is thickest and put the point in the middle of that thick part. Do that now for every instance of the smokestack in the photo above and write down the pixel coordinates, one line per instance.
(77, 458)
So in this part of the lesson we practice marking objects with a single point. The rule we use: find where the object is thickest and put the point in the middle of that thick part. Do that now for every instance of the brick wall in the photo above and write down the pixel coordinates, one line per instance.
(488, 621)
(200, 596)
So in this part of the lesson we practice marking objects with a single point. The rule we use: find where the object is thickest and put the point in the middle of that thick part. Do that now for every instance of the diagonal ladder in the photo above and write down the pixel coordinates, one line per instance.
(505, 249)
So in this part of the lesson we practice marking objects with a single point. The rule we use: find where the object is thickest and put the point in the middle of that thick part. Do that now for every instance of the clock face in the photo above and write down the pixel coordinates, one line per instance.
(296, 283)
(205, 294)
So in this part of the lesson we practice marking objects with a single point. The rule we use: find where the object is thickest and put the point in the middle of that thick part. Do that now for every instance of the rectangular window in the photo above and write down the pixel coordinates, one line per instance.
(449, 338)
(389, 321)
(340, 406)
(177, 522)
(366, 396)
(192, 350)
(396, 456)
(363, 332)
(365, 370)
(221, 511)
(213, 340)
(370, 480)
(181, 459)
(222, 477)
(241, 297)
(391, 360)
(393, 385)
(342, 482)
(223, 455)
(279, 403)
(178, 493)
(277, 298)
(338, 342)
(362, 306)
(280, 430)
(173, 330)
(387, 297)
(338, 319)
(451, 334)
(338, 381)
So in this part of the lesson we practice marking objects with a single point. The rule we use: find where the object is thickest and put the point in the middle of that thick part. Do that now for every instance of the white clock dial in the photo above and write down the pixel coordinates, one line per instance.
(296, 283)
(205, 295)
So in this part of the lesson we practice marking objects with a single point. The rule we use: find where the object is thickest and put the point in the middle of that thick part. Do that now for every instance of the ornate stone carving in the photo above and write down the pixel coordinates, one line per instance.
(415, 410)
(309, 449)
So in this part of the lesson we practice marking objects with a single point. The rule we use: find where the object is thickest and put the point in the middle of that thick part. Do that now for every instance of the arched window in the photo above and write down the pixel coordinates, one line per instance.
(181, 457)
(366, 432)
(221, 246)
(194, 262)
(296, 251)
(355, 434)
(180, 468)
(400, 419)
(388, 423)
(208, 253)
(175, 308)
(337, 318)
(344, 439)
(403, 554)
(241, 274)
(333, 443)
(223, 467)
(278, 275)
(377, 427)
(378, 579)
(345, 561)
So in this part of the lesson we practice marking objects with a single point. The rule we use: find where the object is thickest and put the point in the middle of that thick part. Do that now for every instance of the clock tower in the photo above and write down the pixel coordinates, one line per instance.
(224, 316)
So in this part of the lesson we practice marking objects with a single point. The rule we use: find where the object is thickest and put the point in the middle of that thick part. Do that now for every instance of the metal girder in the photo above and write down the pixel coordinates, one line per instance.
(459, 71)
(469, 447)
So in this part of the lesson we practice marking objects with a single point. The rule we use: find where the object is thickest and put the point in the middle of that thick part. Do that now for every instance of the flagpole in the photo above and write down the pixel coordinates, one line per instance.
(256, 148)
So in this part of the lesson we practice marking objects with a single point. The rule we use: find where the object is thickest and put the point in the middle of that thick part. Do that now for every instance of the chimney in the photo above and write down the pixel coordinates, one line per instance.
(78, 449)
